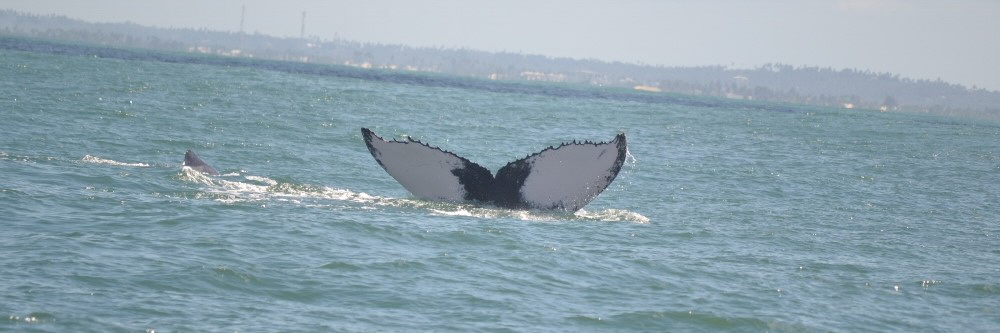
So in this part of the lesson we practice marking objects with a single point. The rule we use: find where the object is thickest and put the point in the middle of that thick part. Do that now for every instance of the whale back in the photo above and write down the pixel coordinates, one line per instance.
(192, 161)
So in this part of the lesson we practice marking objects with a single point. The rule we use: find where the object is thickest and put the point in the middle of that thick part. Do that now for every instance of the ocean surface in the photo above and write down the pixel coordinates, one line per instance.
(728, 216)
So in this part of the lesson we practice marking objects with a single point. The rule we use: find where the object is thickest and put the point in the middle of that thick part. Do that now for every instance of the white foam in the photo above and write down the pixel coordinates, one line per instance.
(491, 213)
(265, 180)
(466, 210)
(613, 215)
(258, 188)
(98, 160)
(195, 176)
(249, 188)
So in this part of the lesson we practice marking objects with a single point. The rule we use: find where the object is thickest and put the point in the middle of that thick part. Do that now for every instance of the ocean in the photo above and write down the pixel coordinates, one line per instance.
(728, 216)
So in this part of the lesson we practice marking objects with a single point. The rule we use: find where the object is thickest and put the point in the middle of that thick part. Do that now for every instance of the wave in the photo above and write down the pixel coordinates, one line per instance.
(690, 320)
(85, 159)
(98, 160)
(240, 188)
(24, 158)
(471, 210)
(249, 188)
(613, 215)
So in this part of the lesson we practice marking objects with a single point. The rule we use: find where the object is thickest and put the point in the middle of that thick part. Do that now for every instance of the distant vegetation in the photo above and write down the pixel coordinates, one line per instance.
(772, 82)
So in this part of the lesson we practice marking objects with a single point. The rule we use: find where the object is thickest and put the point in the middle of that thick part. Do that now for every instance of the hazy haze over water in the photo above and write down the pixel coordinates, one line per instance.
(952, 40)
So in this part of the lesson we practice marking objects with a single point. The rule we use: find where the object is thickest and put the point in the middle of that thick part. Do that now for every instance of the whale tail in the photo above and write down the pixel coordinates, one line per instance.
(192, 161)
(563, 178)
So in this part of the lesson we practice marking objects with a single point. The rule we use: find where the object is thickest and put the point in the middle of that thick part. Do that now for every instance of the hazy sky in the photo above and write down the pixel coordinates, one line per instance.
(955, 40)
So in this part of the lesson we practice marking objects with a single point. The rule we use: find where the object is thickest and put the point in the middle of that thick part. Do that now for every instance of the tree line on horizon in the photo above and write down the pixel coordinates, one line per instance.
(770, 82)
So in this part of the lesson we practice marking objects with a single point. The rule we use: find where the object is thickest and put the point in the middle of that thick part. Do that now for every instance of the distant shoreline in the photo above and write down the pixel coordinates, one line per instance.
(773, 83)
(26, 44)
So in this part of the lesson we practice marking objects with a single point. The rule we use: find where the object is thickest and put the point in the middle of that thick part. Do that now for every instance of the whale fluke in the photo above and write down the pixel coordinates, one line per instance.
(563, 178)
(191, 160)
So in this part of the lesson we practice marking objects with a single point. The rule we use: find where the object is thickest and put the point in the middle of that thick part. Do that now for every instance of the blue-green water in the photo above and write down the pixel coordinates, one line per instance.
(726, 217)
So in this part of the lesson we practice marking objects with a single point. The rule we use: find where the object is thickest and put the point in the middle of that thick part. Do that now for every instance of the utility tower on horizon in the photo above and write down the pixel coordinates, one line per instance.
(303, 33)
(243, 15)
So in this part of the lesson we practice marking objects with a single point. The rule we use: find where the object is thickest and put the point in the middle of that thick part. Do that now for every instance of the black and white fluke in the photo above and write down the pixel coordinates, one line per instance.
(563, 178)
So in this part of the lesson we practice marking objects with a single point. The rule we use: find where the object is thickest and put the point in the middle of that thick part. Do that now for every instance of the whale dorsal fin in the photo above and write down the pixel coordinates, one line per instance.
(564, 178)
(192, 161)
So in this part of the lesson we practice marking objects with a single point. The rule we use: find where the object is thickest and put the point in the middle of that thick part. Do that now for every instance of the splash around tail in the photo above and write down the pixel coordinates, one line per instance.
(236, 188)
